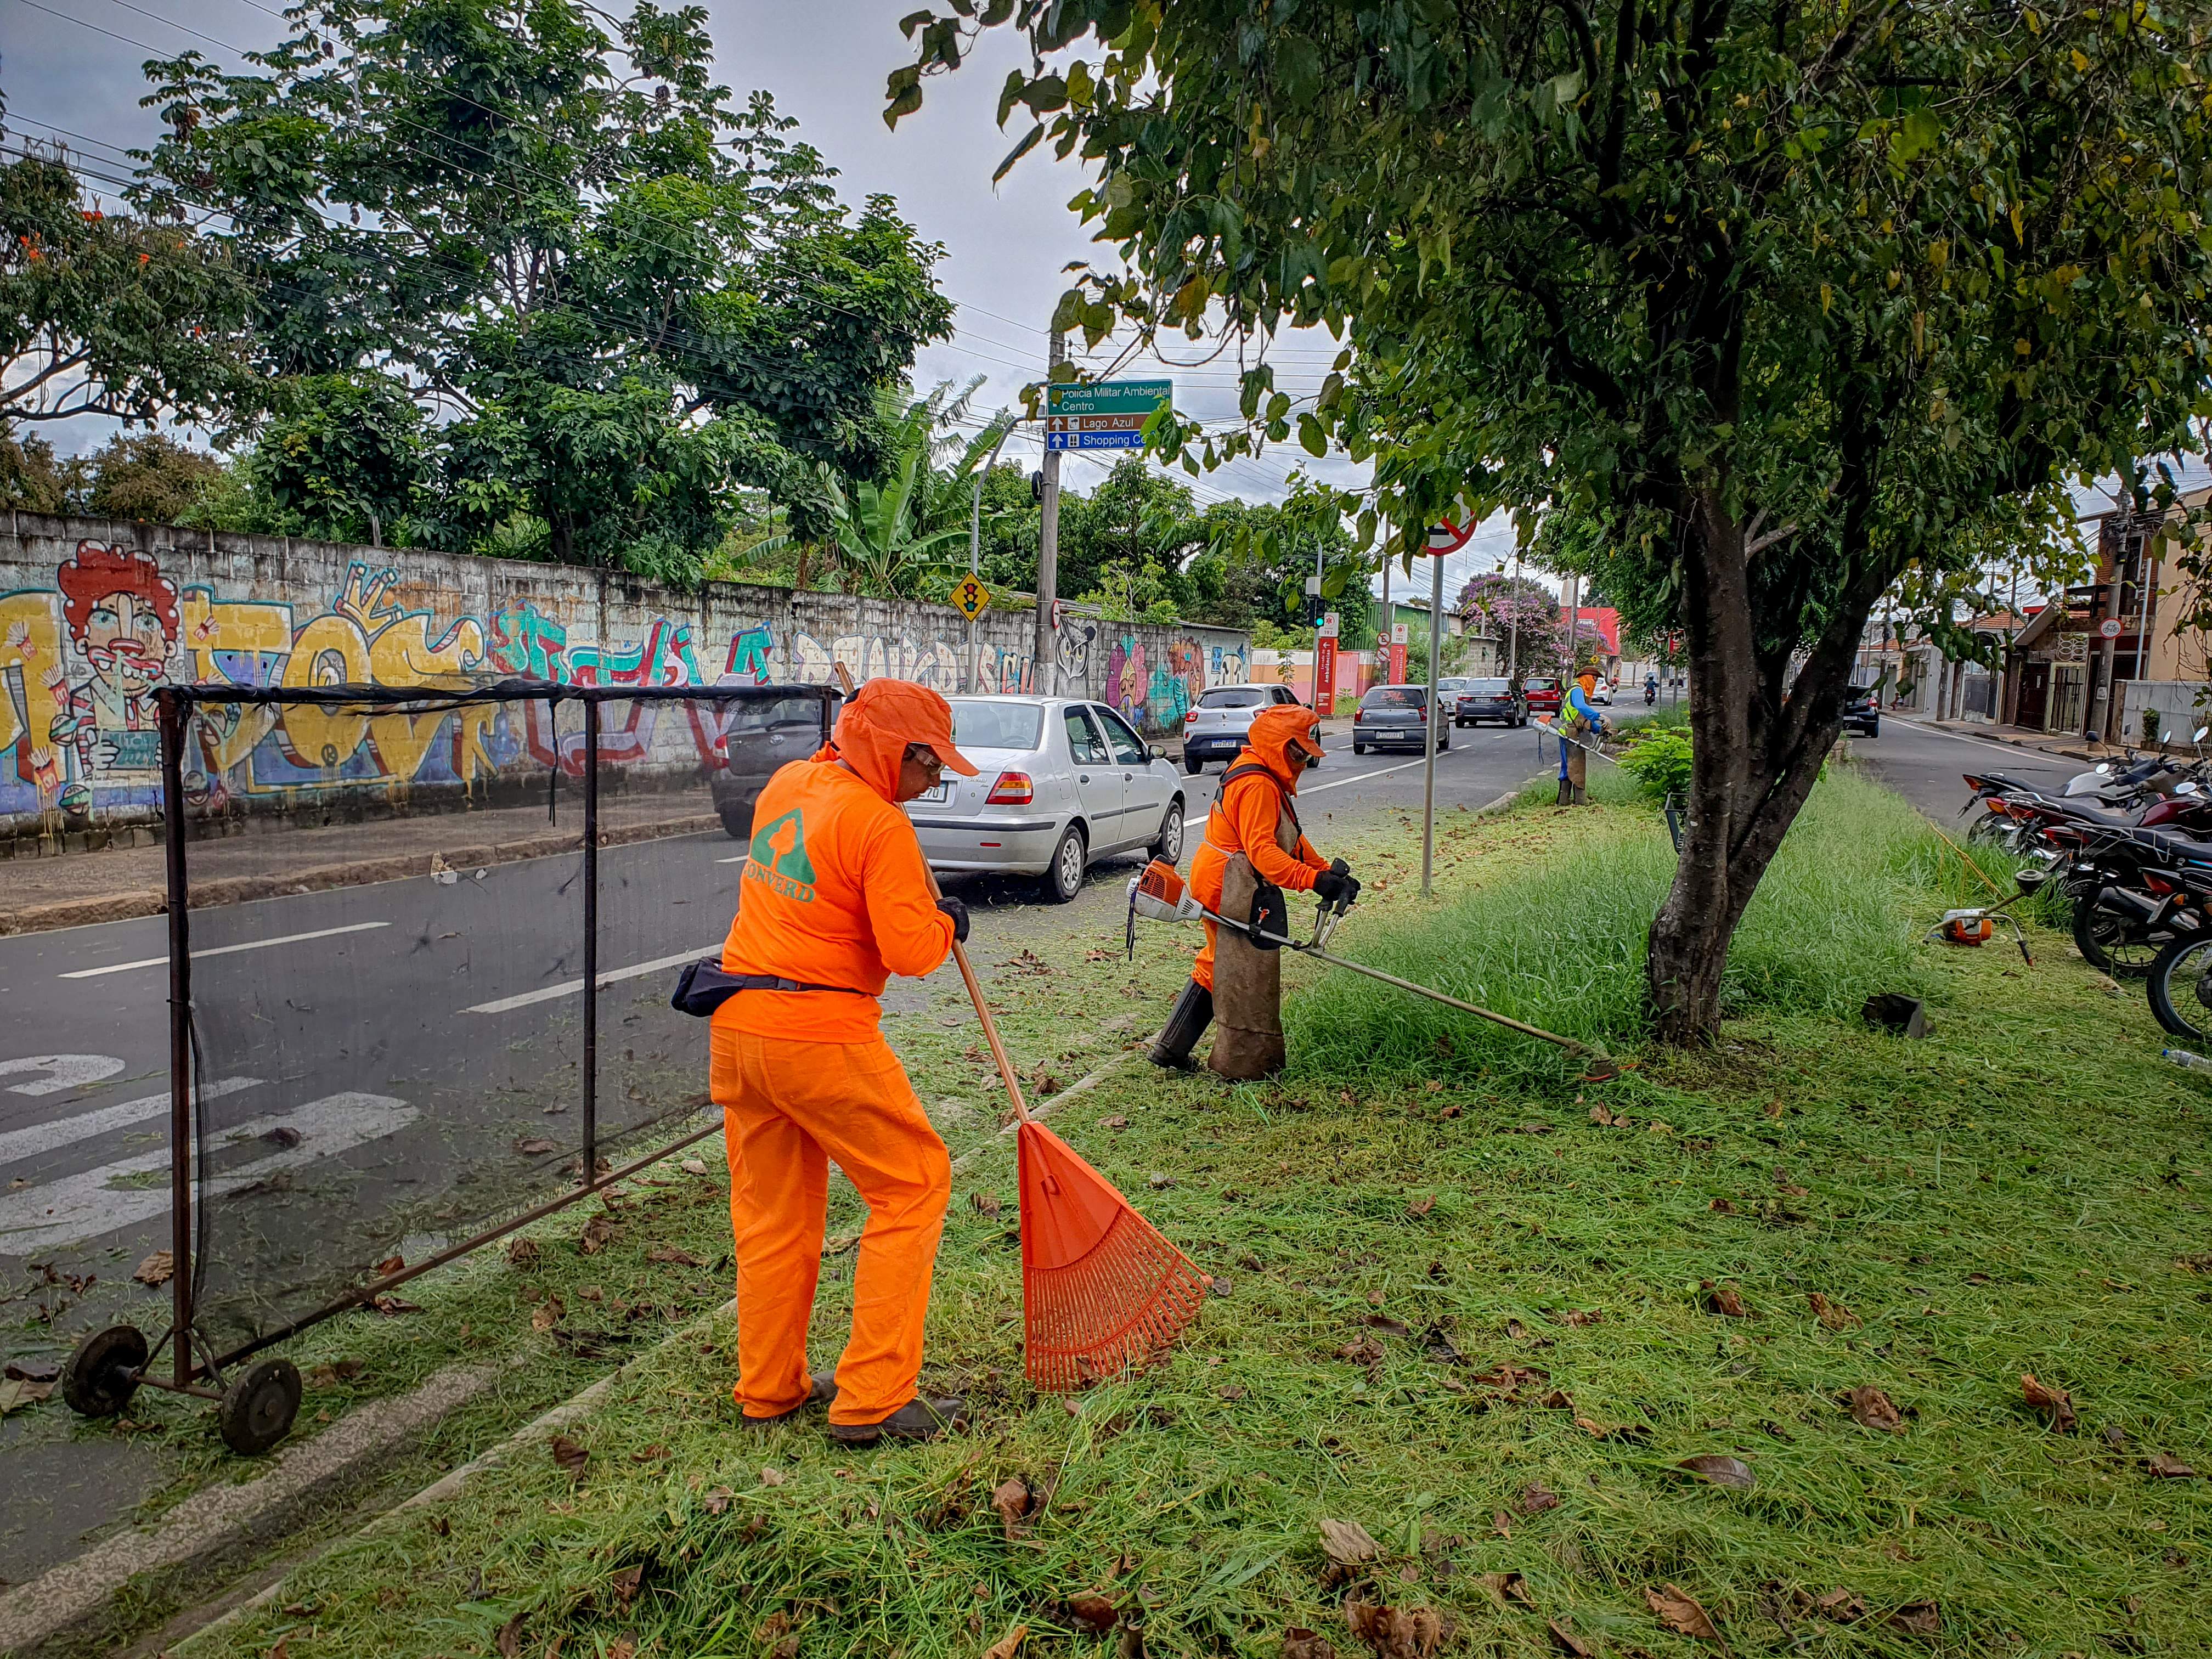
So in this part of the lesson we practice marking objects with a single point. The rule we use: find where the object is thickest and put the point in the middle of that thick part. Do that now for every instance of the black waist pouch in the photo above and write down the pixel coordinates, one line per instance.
(703, 986)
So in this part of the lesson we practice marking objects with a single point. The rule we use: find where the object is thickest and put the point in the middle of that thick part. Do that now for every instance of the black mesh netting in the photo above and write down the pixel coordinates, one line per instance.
(388, 939)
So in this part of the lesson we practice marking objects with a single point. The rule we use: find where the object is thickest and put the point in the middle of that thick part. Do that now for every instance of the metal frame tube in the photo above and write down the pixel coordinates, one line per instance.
(178, 897)
(590, 943)
(1429, 772)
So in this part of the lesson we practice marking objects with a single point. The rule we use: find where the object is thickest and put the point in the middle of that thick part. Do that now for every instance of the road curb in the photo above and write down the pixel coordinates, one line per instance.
(322, 877)
(219, 1519)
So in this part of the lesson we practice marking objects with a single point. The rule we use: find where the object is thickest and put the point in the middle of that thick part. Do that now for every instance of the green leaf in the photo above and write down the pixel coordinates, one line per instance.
(1029, 141)
(1311, 438)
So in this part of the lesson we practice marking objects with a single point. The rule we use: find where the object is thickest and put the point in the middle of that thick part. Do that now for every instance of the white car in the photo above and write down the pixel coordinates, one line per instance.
(1601, 693)
(1059, 784)
(1215, 727)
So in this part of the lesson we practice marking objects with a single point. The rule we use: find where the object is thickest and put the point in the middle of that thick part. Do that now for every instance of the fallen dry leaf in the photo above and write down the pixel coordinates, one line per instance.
(716, 1498)
(1396, 1633)
(1536, 1497)
(1422, 1205)
(330, 1375)
(1581, 1316)
(1366, 1352)
(1501, 1523)
(1723, 1299)
(389, 1305)
(986, 1204)
(771, 1477)
(548, 1314)
(389, 1265)
(1871, 1409)
(1009, 1644)
(1092, 1611)
(569, 1455)
(1841, 1606)
(694, 1166)
(158, 1268)
(1722, 1206)
(509, 1640)
(1116, 1121)
(2055, 1404)
(522, 1253)
(597, 1232)
(670, 1253)
(1723, 1471)
(624, 1585)
(1506, 1587)
(15, 1396)
(1568, 1640)
(1375, 1298)
(1013, 1498)
(535, 1147)
(1916, 1619)
(2166, 1467)
(623, 1647)
(1348, 1544)
(1832, 1314)
(1679, 1611)
(1392, 1327)
(1299, 1642)
(652, 1454)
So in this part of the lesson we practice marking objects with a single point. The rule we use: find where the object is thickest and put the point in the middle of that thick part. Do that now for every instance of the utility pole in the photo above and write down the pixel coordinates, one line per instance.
(1044, 673)
(1513, 626)
(1434, 719)
(975, 552)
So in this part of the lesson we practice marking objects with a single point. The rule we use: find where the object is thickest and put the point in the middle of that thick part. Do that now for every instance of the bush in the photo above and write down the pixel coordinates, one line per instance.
(1659, 760)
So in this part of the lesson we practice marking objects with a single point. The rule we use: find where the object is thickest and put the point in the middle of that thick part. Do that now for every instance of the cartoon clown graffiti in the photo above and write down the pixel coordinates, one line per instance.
(123, 622)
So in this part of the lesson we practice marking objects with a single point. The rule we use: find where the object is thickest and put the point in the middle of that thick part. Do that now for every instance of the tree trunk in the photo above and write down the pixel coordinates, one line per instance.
(1758, 738)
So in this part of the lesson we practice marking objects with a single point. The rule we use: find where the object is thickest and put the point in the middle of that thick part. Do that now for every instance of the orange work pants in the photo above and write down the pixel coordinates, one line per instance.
(788, 1109)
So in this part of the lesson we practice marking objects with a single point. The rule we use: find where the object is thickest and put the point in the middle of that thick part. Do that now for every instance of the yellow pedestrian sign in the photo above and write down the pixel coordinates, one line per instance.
(970, 597)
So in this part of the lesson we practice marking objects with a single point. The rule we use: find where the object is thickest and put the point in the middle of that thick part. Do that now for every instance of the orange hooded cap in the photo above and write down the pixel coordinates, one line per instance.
(879, 720)
(1272, 732)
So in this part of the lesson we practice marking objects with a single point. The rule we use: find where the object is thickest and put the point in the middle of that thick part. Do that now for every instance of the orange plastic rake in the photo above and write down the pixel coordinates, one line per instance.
(1102, 1290)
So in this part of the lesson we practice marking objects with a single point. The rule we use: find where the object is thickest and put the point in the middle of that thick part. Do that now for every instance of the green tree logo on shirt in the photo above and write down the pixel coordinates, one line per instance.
(778, 857)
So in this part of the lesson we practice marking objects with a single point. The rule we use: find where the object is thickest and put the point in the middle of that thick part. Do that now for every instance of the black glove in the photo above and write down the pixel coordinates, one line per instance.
(954, 909)
(1336, 886)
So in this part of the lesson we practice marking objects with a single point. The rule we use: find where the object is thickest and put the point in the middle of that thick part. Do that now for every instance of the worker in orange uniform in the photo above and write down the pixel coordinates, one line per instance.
(837, 897)
(1253, 837)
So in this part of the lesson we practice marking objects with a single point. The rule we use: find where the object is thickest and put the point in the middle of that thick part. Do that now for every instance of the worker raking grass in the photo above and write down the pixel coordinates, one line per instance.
(1255, 849)
(835, 898)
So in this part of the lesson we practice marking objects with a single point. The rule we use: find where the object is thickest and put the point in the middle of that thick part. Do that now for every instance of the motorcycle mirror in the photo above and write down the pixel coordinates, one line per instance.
(2103, 768)
(2201, 732)
(2184, 788)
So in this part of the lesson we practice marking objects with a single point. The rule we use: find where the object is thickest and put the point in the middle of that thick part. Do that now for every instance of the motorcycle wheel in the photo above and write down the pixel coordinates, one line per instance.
(2111, 943)
(2180, 982)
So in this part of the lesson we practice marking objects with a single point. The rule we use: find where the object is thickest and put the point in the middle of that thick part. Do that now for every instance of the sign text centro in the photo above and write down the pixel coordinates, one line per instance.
(1109, 397)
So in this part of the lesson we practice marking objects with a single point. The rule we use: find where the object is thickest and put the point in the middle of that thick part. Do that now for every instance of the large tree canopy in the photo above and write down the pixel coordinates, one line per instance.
(617, 295)
(1797, 297)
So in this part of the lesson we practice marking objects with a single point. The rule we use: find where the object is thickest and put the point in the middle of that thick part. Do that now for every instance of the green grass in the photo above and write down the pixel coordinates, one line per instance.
(2021, 1193)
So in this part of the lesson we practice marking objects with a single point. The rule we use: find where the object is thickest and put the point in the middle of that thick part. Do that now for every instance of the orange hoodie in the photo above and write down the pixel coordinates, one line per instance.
(836, 892)
(1251, 807)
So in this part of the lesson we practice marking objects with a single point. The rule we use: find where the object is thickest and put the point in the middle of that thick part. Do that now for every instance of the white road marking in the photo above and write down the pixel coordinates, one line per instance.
(83, 1207)
(17, 1143)
(225, 950)
(568, 988)
(2024, 752)
(740, 859)
(69, 1072)
(1379, 772)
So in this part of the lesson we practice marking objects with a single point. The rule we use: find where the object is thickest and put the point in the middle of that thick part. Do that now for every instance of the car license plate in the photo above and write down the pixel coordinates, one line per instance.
(936, 795)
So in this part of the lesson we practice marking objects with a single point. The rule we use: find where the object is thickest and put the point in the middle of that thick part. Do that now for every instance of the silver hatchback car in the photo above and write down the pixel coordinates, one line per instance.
(1059, 786)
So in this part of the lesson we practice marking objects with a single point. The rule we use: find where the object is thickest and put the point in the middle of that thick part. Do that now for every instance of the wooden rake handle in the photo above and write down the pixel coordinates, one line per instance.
(983, 1012)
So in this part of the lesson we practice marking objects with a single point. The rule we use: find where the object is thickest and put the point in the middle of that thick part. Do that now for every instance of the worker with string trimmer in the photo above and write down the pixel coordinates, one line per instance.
(1579, 716)
(1255, 849)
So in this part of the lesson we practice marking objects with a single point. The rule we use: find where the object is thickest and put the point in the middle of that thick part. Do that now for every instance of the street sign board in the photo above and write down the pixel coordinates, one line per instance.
(1104, 414)
(970, 597)
(2109, 628)
(1448, 537)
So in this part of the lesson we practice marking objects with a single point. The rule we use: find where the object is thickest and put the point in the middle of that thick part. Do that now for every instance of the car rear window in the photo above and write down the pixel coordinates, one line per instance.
(1543, 685)
(977, 724)
(1236, 696)
(1392, 697)
(1490, 688)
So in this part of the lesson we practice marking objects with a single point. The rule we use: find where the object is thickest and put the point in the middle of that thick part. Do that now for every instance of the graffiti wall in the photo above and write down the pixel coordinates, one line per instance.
(95, 615)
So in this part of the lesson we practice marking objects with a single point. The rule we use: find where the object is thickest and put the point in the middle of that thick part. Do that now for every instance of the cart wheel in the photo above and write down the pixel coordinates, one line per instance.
(259, 1407)
(102, 1375)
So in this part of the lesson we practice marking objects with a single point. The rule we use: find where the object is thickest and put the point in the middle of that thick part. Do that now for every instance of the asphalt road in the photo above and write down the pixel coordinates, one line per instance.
(386, 1067)
(1927, 766)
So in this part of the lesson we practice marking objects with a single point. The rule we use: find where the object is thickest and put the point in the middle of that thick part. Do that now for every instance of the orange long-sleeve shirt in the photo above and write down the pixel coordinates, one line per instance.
(836, 892)
(1249, 809)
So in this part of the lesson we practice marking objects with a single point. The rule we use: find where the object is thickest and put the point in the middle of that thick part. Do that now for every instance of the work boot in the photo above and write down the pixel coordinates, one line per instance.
(918, 1420)
(1566, 794)
(822, 1391)
(1582, 798)
(1193, 1013)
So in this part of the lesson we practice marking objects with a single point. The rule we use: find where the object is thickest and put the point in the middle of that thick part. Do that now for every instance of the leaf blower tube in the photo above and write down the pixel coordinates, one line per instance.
(1161, 895)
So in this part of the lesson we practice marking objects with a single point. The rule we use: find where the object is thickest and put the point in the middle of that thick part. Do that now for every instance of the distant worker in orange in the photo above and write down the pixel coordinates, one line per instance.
(837, 897)
(1253, 838)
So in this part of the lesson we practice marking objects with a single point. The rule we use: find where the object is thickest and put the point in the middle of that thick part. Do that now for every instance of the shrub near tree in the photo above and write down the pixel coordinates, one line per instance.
(1790, 295)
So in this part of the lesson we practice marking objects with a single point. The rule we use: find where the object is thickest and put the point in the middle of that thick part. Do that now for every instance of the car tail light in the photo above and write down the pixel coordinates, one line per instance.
(1190, 717)
(1012, 789)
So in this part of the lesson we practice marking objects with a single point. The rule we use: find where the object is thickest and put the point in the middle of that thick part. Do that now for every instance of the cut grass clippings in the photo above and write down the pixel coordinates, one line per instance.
(1738, 1337)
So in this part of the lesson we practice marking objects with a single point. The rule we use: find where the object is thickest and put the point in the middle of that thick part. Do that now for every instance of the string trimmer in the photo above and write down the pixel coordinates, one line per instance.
(1587, 748)
(1160, 894)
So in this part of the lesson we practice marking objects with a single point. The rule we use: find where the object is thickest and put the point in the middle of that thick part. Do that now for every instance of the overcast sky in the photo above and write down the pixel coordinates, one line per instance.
(71, 68)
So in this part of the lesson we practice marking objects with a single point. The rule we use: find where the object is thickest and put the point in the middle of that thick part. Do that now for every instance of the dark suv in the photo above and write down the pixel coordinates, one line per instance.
(1860, 714)
(762, 736)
